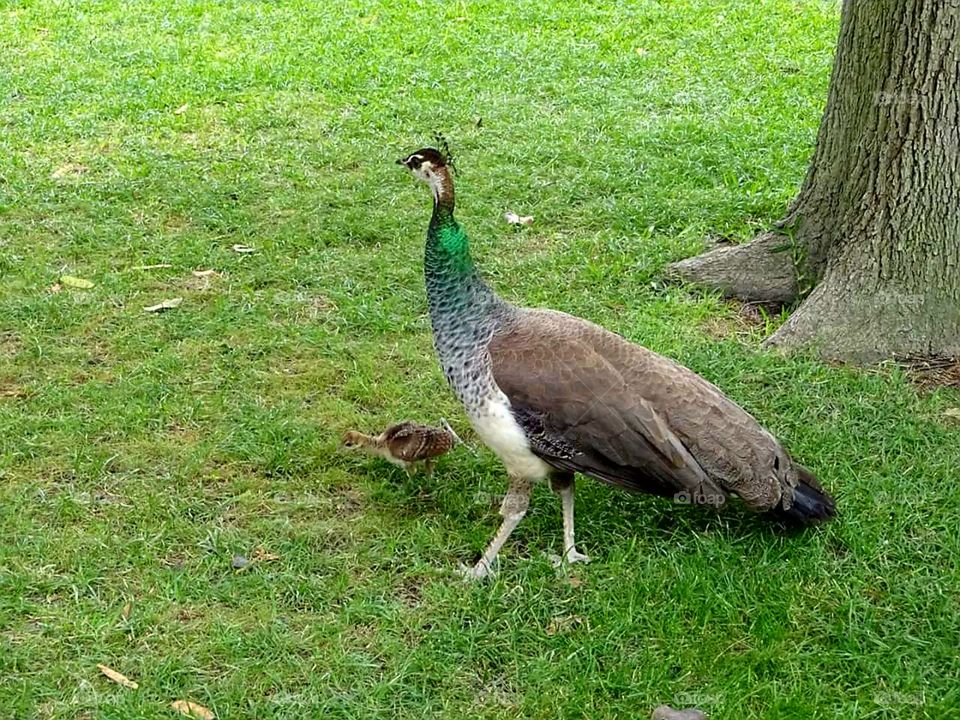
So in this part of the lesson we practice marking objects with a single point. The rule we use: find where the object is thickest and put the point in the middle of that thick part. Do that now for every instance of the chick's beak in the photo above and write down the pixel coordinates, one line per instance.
(402, 161)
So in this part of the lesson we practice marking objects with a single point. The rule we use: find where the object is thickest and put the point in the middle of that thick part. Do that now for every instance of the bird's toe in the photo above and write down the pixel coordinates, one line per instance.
(480, 571)
(571, 556)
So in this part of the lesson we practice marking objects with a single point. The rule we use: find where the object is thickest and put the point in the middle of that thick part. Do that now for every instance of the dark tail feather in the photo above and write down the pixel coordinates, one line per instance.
(811, 503)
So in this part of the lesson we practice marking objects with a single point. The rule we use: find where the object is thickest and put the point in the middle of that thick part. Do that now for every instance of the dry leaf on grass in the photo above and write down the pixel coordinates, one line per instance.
(182, 109)
(952, 413)
(515, 219)
(204, 273)
(261, 555)
(158, 266)
(117, 677)
(192, 710)
(164, 305)
(55, 288)
(69, 170)
(125, 613)
(563, 624)
(243, 249)
(75, 282)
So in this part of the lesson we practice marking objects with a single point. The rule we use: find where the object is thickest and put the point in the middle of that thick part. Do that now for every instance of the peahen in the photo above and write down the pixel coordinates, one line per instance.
(552, 394)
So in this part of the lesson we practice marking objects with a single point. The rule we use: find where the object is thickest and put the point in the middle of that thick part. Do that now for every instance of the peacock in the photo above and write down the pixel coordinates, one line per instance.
(553, 395)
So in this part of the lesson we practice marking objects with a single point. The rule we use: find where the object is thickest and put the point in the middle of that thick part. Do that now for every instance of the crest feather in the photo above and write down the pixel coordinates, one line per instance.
(444, 149)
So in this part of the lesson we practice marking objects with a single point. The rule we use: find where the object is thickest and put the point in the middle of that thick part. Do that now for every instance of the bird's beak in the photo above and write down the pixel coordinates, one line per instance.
(402, 161)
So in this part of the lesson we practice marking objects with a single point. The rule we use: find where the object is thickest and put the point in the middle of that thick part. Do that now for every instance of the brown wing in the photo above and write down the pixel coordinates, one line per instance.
(592, 402)
(411, 441)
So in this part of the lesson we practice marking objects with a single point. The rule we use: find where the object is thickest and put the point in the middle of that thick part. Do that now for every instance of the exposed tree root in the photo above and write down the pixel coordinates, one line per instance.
(758, 271)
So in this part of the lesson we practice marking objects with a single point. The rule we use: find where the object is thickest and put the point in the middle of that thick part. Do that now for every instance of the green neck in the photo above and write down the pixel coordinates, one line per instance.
(455, 291)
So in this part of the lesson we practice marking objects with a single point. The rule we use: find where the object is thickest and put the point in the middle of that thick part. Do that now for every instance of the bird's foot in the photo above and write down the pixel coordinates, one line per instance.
(480, 571)
(570, 557)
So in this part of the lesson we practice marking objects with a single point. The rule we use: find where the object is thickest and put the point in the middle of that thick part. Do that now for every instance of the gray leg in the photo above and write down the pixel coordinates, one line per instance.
(563, 486)
(513, 508)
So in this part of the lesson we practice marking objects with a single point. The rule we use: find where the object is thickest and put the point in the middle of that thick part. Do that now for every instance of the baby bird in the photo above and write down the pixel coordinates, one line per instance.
(405, 444)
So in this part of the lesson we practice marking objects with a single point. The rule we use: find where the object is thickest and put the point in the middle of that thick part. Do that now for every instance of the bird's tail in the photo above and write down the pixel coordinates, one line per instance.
(811, 503)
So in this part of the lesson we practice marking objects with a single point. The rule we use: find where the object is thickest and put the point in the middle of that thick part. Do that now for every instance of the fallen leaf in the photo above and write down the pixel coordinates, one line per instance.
(75, 282)
(69, 170)
(642, 51)
(243, 249)
(261, 555)
(952, 413)
(204, 273)
(158, 266)
(515, 219)
(117, 677)
(574, 581)
(13, 391)
(125, 613)
(192, 709)
(56, 287)
(563, 623)
(182, 109)
(164, 305)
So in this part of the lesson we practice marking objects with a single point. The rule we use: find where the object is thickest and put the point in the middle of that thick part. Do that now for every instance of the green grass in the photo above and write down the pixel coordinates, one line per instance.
(139, 453)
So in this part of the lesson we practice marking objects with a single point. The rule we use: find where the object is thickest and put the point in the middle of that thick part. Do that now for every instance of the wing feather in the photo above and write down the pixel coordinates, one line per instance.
(594, 403)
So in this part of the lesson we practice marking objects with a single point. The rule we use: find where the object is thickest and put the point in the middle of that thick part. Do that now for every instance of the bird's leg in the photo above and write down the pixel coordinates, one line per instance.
(428, 466)
(513, 508)
(562, 485)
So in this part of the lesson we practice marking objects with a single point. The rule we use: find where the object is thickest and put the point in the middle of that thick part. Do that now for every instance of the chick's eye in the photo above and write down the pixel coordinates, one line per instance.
(415, 163)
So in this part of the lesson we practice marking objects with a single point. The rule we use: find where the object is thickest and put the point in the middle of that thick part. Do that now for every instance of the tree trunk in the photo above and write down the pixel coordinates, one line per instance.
(874, 235)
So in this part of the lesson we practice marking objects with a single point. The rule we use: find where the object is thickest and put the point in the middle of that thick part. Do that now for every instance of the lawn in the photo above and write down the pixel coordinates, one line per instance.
(141, 452)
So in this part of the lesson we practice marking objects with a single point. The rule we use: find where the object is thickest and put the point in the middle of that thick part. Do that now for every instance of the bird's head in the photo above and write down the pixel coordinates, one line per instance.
(433, 167)
(425, 164)
(352, 440)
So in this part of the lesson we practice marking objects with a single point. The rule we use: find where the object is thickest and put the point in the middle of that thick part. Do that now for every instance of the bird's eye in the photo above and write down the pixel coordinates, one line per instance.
(415, 163)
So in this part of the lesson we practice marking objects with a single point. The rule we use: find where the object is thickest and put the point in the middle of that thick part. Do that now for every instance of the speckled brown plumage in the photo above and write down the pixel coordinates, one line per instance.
(404, 444)
(412, 442)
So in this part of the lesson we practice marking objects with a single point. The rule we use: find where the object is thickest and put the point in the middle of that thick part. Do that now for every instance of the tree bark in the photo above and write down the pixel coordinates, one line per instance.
(874, 234)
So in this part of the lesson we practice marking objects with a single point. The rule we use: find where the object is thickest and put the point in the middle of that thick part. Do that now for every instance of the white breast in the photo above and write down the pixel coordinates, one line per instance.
(498, 429)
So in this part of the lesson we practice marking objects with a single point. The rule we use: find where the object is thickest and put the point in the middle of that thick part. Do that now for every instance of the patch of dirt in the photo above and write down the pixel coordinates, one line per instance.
(174, 562)
(409, 592)
(498, 692)
(316, 307)
(12, 391)
(10, 344)
(930, 373)
(748, 319)
(347, 502)
(187, 614)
